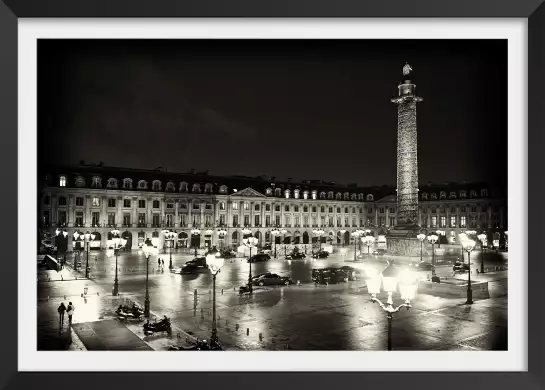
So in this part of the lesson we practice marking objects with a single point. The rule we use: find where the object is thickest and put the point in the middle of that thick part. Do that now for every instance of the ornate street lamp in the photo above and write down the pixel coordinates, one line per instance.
(250, 242)
(214, 263)
(482, 240)
(169, 236)
(319, 233)
(148, 250)
(195, 232)
(221, 235)
(432, 239)
(283, 232)
(421, 237)
(356, 234)
(88, 237)
(118, 243)
(389, 278)
(468, 246)
(75, 236)
(274, 233)
(369, 241)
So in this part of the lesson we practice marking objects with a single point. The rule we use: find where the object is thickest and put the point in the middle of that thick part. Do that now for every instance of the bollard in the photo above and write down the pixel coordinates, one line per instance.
(195, 293)
(97, 293)
(62, 279)
(219, 318)
(65, 297)
(48, 279)
(260, 336)
(82, 295)
(236, 326)
(209, 291)
(226, 322)
(247, 331)
(222, 291)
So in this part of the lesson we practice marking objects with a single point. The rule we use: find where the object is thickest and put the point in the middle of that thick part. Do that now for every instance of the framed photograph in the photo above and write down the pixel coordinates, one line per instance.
(319, 193)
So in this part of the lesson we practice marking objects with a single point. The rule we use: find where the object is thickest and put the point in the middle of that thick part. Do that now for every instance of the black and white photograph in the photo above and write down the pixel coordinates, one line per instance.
(272, 195)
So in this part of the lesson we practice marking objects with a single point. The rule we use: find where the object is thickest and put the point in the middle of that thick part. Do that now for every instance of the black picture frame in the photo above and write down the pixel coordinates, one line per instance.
(531, 10)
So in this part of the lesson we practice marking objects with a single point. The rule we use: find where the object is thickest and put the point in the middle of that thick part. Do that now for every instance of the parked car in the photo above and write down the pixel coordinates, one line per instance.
(423, 266)
(295, 256)
(327, 276)
(351, 273)
(228, 253)
(197, 262)
(259, 258)
(269, 279)
(320, 254)
(379, 252)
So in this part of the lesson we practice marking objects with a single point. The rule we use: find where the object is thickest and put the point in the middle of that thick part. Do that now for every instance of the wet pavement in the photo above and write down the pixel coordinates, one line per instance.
(305, 317)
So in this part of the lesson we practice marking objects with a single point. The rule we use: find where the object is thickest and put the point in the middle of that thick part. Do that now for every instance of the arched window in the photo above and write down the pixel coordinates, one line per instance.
(305, 194)
(196, 188)
(296, 194)
(80, 181)
(442, 195)
(142, 184)
(433, 196)
(112, 183)
(346, 196)
(330, 195)
(370, 197)
(322, 195)
(208, 188)
(62, 181)
(314, 194)
(287, 193)
(156, 185)
(361, 196)
(170, 186)
(353, 197)
(338, 195)
(96, 182)
(424, 196)
(183, 186)
(127, 183)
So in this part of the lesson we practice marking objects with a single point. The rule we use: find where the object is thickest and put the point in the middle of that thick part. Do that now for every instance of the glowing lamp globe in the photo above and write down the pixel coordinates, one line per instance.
(432, 238)
(76, 235)
(421, 237)
(93, 235)
(469, 245)
(389, 278)
(214, 263)
(407, 284)
(373, 282)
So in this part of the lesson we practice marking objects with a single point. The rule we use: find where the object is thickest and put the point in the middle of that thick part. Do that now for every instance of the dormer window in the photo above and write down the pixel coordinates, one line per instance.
(223, 189)
(183, 186)
(338, 195)
(287, 193)
(442, 195)
(314, 194)
(484, 192)
(330, 195)
(463, 194)
(278, 192)
(296, 194)
(452, 195)
(434, 196)
(353, 197)
(170, 186)
(322, 195)
(80, 181)
(268, 191)
(156, 185)
(96, 182)
(208, 188)
(473, 194)
(424, 196)
(361, 196)
(112, 183)
(305, 194)
(346, 196)
(196, 188)
(370, 197)
(127, 183)
(142, 184)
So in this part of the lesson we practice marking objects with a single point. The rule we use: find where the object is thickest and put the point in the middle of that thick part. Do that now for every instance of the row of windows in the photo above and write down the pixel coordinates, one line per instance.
(453, 195)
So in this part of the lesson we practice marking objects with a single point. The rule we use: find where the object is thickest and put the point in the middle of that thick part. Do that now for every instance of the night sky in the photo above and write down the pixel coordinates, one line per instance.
(305, 109)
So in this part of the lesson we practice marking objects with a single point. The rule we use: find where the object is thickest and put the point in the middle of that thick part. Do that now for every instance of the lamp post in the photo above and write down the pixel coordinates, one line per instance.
(469, 245)
(148, 250)
(76, 235)
(250, 242)
(432, 239)
(195, 232)
(214, 263)
(390, 277)
(283, 232)
(88, 236)
(369, 240)
(356, 234)
(221, 235)
(319, 233)
(421, 237)
(118, 243)
(274, 233)
(169, 236)
(482, 239)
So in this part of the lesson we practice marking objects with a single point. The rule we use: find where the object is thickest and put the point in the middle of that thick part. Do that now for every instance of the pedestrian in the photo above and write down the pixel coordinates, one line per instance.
(61, 311)
(162, 263)
(70, 311)
(158, 262)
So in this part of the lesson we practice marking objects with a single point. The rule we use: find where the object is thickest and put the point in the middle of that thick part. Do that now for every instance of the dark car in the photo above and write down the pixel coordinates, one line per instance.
(259, 258)
(379, 252)
(460, 267)
(423, 266)
(199, 262)
(327, 276)
(295, 256)
(351, 273)
(320, 254)
(269, 279)
(227, 254)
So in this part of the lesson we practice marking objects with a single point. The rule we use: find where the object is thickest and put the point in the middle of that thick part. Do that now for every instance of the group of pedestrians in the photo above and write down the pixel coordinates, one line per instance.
(69, 310)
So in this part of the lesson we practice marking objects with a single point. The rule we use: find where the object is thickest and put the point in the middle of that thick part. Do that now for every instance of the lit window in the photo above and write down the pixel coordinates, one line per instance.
(62, 181)
(96, 202)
